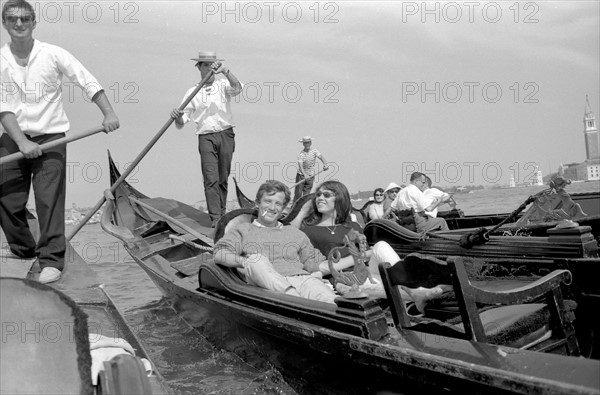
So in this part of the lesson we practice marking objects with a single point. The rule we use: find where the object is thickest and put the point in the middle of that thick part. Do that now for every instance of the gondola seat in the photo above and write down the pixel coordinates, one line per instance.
(528, 315)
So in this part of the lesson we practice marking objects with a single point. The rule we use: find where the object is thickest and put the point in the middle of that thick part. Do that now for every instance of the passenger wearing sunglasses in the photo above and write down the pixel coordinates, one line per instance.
(390, 195)
(375, 209)
(326, 220)
(276, 257)
(31, 113)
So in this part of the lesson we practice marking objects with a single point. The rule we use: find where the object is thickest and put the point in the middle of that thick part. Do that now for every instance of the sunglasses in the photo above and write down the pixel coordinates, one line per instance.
(379, 194)
(327, 195)
(24, 19)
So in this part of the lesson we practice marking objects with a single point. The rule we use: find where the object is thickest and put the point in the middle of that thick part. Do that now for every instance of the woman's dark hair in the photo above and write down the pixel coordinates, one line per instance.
(380, 190)
(271, 187)
(343, 204)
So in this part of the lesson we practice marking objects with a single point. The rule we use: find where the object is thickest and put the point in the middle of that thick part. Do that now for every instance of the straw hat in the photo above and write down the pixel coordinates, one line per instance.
(207, 56)
(306, 139)
(392, 185)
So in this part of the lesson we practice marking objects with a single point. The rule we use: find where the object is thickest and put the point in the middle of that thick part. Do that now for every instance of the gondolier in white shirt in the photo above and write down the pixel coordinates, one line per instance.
(31, 113)
(210, 110)
(307, 159)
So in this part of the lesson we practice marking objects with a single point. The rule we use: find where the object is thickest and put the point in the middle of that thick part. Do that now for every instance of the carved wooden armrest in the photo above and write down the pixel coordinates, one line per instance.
(523, 294)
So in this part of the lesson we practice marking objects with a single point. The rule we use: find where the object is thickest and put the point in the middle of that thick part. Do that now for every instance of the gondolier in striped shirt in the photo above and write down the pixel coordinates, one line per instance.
(210, 109)
(307, 159)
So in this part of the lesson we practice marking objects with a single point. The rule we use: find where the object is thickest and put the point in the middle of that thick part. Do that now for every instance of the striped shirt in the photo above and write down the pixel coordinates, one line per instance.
(308, 161)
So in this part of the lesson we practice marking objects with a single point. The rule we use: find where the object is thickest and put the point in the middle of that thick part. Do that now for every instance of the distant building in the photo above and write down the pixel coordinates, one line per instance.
(590, 169)
(539, 180)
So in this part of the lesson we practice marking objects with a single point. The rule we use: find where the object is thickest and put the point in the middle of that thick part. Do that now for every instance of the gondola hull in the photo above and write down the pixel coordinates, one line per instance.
(347, 347)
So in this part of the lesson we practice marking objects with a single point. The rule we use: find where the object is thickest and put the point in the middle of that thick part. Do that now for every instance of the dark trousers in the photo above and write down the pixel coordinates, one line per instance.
(47, 174)
(216, 153)
(302, 188)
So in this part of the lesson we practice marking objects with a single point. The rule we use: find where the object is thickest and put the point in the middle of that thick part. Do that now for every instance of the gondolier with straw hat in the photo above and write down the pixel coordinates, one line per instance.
(210, 110)
(305, 176)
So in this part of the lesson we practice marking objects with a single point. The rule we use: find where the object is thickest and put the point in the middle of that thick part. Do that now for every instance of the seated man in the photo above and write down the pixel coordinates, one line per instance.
(433, 193)
(276, 257)
(411, 197)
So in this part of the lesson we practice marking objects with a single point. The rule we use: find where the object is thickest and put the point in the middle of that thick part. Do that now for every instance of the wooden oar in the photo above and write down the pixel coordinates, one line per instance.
(62, 141)
(140, 156)
(307, 178)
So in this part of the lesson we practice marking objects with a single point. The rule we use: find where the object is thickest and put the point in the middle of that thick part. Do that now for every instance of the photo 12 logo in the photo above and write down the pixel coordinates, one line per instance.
(269, 11)
(473, 172)
(289, 92)
(255, 172)
(469, 91)
(87, 11)
(91, 172)
(119, 92)
(469, 11)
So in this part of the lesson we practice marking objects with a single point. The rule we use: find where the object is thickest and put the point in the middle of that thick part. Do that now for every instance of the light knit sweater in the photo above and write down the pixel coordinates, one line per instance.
(287, 247)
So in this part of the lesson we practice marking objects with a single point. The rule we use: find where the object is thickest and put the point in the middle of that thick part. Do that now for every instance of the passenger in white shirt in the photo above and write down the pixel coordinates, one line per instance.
(433, 194)
(412, 197)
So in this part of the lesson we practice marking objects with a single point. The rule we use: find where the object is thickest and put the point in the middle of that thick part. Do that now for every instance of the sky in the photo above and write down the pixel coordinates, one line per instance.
(466, 92)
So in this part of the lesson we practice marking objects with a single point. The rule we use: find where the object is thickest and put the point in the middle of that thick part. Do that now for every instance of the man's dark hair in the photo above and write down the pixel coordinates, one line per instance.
(428, 181)
(17, 4)
(415, 176)
(271, 187)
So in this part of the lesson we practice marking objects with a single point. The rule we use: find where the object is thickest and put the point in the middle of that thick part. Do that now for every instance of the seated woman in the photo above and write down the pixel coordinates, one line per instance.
(276, 257)
(375, 209)
(326, 220)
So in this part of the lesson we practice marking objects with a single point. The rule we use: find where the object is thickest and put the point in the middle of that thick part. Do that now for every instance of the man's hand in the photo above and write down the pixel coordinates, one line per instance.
(29, 149)
(219, 68)
(176, 114)
(110, 122)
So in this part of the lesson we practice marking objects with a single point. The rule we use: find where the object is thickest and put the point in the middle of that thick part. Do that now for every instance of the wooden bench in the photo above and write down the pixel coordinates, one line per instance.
(528, 315)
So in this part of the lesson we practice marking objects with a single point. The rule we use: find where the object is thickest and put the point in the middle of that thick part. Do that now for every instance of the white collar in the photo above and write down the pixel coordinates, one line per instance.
(278, 226)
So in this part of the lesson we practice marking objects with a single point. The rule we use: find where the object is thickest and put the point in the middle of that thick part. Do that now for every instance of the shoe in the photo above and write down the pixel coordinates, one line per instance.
(49, 275)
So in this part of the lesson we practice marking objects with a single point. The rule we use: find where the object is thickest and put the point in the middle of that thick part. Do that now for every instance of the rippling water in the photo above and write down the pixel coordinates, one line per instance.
(189, 363)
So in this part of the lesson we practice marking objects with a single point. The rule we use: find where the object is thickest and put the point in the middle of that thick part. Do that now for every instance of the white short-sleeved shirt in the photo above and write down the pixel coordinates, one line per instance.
(410, 197)
(431, 194)
(210, 109)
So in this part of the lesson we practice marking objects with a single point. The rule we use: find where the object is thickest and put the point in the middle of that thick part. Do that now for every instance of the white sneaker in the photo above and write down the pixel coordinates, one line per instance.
(49, 275)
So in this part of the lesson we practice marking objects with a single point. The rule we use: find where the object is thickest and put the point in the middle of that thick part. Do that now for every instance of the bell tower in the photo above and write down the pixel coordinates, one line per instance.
(590, 131)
